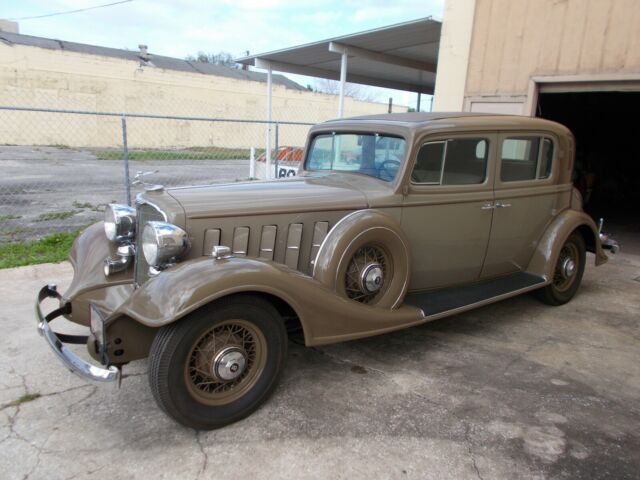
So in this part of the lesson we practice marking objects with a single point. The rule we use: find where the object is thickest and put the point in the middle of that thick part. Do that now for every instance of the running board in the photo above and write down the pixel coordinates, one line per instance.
(444, 302)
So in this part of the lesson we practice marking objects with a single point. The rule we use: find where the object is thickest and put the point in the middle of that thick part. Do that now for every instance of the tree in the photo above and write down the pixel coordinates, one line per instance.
(220, 58)
(359, 92)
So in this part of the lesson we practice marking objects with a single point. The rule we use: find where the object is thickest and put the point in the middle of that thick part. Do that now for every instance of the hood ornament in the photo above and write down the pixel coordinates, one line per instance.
(148, 187)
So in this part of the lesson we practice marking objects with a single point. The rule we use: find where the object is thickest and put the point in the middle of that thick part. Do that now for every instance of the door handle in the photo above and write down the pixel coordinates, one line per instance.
(502, 205)
(488, 206)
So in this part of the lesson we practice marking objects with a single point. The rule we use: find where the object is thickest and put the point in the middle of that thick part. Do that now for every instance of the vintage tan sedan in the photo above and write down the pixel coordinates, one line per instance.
(394, 221)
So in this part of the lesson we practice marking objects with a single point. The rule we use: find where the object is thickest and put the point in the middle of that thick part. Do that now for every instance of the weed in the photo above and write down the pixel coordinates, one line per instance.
(29, 397)
(77, 204)
(196, 153)
(43, 217)
(4, 218)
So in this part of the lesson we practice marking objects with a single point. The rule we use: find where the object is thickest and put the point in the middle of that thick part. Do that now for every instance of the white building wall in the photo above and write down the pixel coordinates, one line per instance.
(453, 56)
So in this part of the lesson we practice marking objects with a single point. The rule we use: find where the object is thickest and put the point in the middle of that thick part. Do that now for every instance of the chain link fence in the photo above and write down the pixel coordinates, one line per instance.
(66, 151)
(59, 168)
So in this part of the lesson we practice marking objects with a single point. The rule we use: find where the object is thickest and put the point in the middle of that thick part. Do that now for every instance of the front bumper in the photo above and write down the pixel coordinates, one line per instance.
(56, 341)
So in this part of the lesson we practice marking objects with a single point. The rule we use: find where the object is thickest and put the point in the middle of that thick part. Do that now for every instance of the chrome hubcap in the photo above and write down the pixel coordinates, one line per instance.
(229, 364)
(568, 268)
(372, 278)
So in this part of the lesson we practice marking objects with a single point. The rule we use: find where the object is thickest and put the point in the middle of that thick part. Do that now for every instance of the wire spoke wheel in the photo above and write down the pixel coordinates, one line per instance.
(566, 267)
(225, 362)
(366, 276)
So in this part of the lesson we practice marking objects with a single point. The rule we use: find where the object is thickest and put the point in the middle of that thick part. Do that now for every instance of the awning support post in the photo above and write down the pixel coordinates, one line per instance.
(266, 65)
(418, 106)
(343, 81)
(344, 52)
(269, 118)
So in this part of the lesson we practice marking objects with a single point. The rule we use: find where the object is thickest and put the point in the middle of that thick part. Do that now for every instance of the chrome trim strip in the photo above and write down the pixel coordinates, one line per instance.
(240, 241)
(73, 362)
(320, 230)
(294, 238)
(268, 241)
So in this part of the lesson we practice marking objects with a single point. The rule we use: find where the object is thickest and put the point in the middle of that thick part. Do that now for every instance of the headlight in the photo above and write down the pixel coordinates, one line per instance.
(119, 222)
(163, 242)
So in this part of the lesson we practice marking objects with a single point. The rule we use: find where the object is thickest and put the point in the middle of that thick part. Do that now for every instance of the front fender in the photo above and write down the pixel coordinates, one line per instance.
(325, 316)
(546, 254)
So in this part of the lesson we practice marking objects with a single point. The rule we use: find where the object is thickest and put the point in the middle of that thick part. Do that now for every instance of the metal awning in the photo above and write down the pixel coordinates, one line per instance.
(402, 57)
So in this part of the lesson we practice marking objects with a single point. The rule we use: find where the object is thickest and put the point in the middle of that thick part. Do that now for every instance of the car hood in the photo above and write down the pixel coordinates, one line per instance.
(299, 194)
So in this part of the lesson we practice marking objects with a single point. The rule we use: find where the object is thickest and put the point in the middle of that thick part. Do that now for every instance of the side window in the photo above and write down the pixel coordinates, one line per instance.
(429, 163)
(526, 158)
(460, 161)
(546, 158)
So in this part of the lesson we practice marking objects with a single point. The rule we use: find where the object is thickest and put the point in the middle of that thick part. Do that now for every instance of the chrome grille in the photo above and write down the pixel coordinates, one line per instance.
(145, 213)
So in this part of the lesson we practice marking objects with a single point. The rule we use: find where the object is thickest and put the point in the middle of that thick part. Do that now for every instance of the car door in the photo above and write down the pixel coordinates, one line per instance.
(447, 210)
(526, 197)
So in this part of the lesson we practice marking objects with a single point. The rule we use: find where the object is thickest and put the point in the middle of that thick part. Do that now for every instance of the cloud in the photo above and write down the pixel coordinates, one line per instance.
(181, 27)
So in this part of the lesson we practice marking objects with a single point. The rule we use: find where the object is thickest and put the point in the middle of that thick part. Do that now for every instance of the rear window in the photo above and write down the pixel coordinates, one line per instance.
(526, 158)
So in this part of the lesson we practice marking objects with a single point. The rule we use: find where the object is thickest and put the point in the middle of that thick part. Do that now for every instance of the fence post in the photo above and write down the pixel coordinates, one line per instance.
(277, 129)
(252, 163)
(125, 157)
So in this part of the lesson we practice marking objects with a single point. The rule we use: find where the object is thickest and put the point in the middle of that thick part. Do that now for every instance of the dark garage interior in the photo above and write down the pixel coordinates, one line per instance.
(607, 169)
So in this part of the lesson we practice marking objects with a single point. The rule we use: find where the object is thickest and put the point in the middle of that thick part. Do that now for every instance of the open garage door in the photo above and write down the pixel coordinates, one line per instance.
(607, 171)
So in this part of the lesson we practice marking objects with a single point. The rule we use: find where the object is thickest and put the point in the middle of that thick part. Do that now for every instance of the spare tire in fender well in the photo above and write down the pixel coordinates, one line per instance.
(377, 232)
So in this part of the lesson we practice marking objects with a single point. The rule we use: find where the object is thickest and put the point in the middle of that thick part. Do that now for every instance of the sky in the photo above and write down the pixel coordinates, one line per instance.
(178, 28)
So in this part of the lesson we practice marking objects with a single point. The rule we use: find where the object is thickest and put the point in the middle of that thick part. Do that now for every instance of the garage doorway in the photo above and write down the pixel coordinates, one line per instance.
(607, 169)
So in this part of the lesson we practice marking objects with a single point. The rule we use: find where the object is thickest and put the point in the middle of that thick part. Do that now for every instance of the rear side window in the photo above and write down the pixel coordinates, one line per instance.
(461, 161)
(526, 158)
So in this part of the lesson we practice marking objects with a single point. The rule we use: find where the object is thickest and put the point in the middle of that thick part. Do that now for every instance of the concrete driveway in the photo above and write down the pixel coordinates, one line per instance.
(513, 390)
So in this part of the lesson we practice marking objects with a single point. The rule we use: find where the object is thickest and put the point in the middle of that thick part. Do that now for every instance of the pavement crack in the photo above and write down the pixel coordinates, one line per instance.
(205, 457)
(467, 438)
(18, 402)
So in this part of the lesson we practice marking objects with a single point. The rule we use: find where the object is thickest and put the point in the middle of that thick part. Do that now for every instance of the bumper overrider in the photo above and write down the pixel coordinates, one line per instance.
(57, 341)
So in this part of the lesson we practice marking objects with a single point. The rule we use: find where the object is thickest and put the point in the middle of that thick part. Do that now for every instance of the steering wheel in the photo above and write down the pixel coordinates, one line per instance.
(388, 169)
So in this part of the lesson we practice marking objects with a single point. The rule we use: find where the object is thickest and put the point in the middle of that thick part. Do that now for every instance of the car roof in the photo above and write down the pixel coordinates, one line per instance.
(422, 120)
(410, 117)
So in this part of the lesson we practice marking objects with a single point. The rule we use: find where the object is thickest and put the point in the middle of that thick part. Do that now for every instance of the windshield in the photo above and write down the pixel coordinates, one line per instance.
(371, 154)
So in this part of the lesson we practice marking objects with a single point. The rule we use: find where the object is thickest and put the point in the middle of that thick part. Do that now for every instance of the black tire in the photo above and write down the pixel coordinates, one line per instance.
(562, 287)
(176, 357)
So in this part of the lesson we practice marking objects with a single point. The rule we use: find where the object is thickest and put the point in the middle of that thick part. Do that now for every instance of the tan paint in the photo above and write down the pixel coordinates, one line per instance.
(356, 230)
(515, 40)
(439, 217)
(325, 316)
(546, 253)
(436, 222)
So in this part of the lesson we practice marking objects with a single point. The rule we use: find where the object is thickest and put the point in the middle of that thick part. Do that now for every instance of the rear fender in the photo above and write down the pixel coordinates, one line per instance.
(325, 316)
(546, 254)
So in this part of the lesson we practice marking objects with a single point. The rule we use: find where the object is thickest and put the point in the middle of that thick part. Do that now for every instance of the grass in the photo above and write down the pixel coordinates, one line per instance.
(51, 249)
(29, 397)
(196, 153)
(43, 217)
(26, 398)
(4, 218)
(77, 204)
